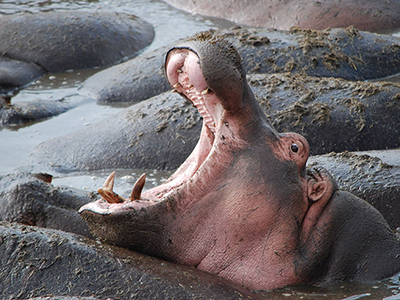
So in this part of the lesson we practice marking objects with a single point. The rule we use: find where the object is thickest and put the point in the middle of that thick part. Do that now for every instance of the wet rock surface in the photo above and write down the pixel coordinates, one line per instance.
(40, 262)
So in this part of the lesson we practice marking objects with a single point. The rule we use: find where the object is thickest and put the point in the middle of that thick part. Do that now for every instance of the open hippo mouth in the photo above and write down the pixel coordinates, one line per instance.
(184, 73)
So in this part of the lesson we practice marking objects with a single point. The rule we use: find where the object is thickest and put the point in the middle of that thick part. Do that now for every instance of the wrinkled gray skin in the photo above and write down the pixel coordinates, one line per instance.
(33, 44)
(370, 15)
(30, 199)
(333, 114)
(43, 262)
(369, 177)
(158, 133)
(342, 53)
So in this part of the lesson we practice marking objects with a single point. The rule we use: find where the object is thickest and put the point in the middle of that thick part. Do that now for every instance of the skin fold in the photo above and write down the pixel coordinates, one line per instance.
(243, 205)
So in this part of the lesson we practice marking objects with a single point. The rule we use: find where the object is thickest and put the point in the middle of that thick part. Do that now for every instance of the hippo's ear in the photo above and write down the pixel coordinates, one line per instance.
(317, 189)
(320, 185)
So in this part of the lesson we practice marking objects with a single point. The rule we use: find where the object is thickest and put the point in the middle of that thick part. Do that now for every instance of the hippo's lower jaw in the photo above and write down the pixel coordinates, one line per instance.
(183, 64)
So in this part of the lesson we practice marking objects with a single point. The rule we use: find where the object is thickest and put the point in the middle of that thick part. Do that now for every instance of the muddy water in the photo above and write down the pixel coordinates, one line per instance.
(170, 24)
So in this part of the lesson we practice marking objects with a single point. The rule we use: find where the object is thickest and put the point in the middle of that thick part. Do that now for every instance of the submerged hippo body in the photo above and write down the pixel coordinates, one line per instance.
(39, 262)
(342, 53)
(243, 205)
(30, 199)
(33, 44)
(158, 133)
(25, 113)
(161, 132)
(370, 15)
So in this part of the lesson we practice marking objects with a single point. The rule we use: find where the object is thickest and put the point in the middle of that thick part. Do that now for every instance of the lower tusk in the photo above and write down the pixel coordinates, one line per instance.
(138, 187)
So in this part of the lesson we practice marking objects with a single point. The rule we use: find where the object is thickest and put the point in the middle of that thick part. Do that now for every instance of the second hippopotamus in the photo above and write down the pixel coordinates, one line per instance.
(243, 205)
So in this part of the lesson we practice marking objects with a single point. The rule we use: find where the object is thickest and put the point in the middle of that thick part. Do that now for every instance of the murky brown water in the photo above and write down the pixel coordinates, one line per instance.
(170, 24)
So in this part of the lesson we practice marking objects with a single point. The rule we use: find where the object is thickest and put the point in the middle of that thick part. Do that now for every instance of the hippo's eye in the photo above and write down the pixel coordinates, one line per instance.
(294, 147)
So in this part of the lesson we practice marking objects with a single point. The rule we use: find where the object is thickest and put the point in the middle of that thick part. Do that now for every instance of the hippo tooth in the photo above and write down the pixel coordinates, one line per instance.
(138, 187)
(109, 183)
(190, 86)
(178, 71)
(107, 190)
(176, 85)
(206, 91)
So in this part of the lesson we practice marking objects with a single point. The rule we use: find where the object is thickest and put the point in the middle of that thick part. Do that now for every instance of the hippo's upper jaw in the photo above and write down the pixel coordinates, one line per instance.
(242, 205)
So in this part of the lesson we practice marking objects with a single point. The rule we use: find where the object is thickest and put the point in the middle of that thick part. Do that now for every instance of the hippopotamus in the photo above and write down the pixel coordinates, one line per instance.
(161, 132)
(33, 44)
(370, 15)
(155, 134)
(28, 112)
(31, 199)
(341, 53)
(243, 205)
(38, 262)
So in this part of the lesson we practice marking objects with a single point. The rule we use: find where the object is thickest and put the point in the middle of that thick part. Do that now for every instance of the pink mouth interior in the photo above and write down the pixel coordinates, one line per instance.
(185, 75)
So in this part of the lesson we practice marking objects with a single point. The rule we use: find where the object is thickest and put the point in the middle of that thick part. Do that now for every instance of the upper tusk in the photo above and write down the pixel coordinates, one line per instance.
(109, 183)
